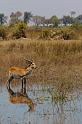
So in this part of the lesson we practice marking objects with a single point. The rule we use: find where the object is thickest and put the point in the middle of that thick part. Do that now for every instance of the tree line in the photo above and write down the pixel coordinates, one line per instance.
(38, 20)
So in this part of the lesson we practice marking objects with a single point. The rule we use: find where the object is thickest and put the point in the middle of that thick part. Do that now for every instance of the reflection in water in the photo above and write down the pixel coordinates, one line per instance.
(18, 97)
(46, 112)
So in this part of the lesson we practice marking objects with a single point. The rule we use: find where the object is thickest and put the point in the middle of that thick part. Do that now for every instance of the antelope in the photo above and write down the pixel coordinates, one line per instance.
(18, 98)
(21, 73)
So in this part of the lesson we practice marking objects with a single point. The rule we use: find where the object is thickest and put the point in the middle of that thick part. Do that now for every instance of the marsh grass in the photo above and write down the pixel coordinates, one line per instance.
(58, 62)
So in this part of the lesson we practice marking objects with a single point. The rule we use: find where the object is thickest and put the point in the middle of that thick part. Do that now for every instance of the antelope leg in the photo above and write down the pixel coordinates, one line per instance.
(24, 86)
(9, 81)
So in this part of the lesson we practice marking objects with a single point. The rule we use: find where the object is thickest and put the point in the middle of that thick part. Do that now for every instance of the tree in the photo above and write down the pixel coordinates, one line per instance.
(72, 13)
(42, 19)
(3, 18)
(54, 21)
(47, 21)
(38, 20)
(78, 19)
(67, 20)
(18, 14)
(15, 17)
(27, 17)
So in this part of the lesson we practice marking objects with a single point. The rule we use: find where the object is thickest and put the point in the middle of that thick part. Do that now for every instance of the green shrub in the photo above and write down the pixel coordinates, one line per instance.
(77, 26)
(3, 32)
(19, 30)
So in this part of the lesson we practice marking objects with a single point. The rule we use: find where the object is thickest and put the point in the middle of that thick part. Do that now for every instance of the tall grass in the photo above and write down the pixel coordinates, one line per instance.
(61, 47)
(58, 62)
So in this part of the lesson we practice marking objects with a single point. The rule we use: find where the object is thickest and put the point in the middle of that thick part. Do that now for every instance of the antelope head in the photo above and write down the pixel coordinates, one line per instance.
(31, 64)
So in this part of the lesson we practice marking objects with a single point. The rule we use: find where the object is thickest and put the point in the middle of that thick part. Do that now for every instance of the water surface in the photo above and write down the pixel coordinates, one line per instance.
(46, 110)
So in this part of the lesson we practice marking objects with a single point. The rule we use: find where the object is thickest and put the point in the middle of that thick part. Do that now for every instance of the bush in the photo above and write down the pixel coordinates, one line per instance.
(45, 34)
(19, 30)
(69, 34)
(64, 33)
(77, 26)
(57, 34)
(3, 32)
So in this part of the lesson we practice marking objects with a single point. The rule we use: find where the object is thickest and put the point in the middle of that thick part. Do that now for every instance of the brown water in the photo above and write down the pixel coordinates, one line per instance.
(45, 111)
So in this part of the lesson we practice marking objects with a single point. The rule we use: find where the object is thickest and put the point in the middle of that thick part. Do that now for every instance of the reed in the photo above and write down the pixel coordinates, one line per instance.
(57, 61)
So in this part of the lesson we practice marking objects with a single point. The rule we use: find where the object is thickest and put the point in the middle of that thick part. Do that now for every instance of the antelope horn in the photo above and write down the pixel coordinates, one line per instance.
(29, 61)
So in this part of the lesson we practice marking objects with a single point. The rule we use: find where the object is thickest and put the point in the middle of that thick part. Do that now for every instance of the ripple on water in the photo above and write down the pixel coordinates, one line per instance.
(46, 111)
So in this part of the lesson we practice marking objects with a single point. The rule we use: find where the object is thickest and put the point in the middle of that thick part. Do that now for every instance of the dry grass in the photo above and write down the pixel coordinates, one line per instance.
(58, 62)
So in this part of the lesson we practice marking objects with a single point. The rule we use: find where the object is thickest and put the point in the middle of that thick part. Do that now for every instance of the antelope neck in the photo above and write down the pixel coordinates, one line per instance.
(29, 69)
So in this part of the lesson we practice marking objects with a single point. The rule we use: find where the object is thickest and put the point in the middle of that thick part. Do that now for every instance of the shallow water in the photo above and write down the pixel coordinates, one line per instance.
(46, 111)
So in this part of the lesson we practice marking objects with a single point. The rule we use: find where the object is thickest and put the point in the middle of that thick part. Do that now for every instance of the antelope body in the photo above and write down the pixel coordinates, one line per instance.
(21, 73)
(18, 72)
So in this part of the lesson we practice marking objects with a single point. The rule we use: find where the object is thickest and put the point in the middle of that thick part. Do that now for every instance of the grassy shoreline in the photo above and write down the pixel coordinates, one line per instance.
(58, 62)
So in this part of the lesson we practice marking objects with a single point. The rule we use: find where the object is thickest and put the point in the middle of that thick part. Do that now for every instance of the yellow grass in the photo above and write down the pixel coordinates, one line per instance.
(58, 62)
